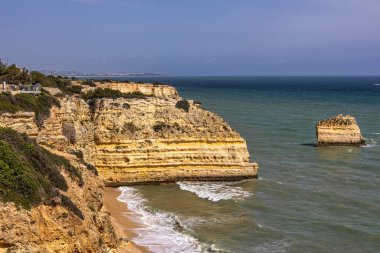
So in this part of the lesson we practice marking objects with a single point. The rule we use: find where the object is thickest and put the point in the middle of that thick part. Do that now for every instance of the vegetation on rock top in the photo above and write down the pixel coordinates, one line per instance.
(184, 105)
(339, 120)
(110, 93)
(40, 104)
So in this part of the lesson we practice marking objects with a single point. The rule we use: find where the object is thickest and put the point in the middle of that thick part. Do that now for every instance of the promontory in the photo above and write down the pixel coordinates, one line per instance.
(66, 138)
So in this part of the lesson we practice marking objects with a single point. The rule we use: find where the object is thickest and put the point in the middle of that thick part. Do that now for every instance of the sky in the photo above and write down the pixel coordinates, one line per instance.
(194, 37)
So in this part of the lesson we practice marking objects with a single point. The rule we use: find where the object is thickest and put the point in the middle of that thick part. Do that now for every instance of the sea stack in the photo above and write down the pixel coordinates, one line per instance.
(339, 130)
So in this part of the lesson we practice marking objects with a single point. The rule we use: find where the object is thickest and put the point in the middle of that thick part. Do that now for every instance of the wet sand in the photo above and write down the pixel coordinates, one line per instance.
(121, 219)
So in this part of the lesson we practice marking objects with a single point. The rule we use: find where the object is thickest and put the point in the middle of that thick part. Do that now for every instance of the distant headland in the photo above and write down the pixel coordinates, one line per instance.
(98, 74)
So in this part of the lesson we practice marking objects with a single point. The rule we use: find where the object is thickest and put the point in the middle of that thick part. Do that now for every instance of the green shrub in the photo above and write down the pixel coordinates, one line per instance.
(40, 104)
(89, 83)
(29, 174)
(184, 105)
(130, 127)
(13, 74)
(72, 89)
(159, 126)
(110, 93)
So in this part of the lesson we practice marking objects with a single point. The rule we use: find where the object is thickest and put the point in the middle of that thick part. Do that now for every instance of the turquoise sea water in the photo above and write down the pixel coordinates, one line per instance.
(306, 199)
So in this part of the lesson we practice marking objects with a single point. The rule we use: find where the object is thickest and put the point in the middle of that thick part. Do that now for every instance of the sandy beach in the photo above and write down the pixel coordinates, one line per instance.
(121, 220)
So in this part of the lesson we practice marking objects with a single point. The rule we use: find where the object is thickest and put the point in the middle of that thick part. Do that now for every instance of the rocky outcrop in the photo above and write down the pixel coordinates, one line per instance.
(339, 130)
(152, 140)
(21, 121)
(161, 138)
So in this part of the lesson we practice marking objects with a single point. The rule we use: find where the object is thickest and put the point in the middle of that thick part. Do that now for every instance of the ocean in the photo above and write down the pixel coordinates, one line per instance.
(306, 199)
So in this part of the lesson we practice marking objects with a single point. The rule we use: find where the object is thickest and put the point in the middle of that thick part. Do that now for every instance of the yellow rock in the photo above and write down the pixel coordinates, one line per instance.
(339, 130)
(132, 141)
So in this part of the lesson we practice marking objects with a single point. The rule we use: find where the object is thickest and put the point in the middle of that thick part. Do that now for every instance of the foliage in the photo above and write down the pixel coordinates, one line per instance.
(14, 75)
(130, 127)
(158, 83)
(29, 174)
(110, 93)
(40, 104)
(72, 89)
(89, 83)
(184, 105)
(159, 126)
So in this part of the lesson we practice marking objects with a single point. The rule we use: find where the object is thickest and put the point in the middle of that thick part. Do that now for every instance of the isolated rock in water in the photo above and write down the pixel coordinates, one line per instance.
(339, 130)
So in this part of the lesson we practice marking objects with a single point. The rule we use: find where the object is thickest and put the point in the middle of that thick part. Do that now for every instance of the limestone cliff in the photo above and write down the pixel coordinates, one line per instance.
(159, 138)
(159, 91)
(339, 130)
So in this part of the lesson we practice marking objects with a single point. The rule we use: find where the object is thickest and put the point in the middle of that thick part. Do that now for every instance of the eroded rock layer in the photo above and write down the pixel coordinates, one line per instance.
(160, 138)
(339, 130)
(159, 91)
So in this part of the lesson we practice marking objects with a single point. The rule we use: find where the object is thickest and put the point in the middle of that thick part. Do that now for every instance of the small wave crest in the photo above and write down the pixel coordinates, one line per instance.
(370, 143)
(161, 231)
(376, 84)
(215, 191)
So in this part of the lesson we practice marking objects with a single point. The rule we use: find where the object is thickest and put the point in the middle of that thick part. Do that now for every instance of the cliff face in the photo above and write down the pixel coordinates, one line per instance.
(339, 130)
(21, 122)
(157, 139)
(153, 141)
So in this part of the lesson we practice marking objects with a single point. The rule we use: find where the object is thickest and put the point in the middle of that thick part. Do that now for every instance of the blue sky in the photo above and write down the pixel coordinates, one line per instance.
(194, 37)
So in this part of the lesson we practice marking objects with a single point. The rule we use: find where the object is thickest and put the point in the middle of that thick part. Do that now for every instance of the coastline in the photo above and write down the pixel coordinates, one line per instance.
(120, 217)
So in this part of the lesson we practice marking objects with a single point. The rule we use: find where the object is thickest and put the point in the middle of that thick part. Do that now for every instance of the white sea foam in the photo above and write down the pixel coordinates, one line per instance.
(376, 133)
(370, 143)
(161, 230)
(215, 191)
(376, 84)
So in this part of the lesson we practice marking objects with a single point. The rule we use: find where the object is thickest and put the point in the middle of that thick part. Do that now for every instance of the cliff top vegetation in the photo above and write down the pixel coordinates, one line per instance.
(39, 104)
(110, 93)
(339, 120)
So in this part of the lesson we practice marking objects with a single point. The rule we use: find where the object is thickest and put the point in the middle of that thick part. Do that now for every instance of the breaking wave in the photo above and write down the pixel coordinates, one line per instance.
(161, 231)
(370, 143)
(215, 191)
(376, 84)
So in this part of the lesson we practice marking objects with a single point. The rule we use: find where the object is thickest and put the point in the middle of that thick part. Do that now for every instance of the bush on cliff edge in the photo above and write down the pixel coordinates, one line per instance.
(30, 175)
(110, 93)
(39, 104)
